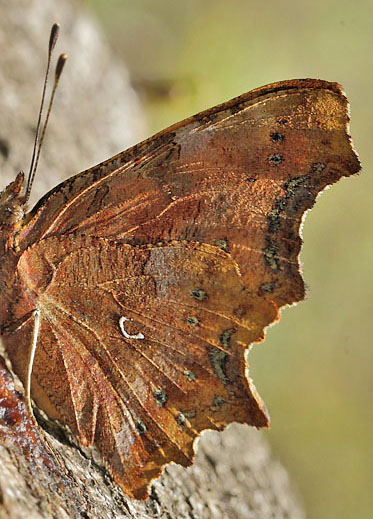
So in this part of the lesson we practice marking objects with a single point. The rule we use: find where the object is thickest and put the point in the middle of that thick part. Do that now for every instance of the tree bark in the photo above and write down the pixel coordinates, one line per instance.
(43, 473)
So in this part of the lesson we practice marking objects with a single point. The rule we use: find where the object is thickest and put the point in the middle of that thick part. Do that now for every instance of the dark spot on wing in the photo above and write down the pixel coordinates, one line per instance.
(218, 359)
(277, 137)
(275, 159)
(225, 337)
(192, 321)
(160, 396)
(199, 294)
(270, 254)
(140, 426)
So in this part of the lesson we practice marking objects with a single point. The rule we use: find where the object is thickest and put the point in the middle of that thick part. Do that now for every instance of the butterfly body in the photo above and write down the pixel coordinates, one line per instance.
(154, 271)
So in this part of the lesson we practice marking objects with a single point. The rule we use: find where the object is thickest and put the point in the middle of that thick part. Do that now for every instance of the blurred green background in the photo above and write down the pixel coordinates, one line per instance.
(315, 369)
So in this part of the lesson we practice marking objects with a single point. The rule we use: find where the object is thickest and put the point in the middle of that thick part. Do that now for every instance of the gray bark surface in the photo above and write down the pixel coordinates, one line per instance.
(96, 115)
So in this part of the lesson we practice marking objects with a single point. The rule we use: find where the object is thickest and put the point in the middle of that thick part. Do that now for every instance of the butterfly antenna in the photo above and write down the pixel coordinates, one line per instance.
(36, 150)
(60, 64)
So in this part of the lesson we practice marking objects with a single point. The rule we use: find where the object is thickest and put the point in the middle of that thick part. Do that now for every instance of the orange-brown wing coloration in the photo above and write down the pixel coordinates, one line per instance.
(141, 400)
(238, 176)
(155, 270)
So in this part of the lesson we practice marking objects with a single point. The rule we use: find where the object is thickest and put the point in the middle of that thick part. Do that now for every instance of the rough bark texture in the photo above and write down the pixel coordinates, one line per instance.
(234, 475)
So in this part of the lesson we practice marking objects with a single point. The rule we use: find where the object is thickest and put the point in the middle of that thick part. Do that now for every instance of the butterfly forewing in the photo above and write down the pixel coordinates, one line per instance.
(239, 176)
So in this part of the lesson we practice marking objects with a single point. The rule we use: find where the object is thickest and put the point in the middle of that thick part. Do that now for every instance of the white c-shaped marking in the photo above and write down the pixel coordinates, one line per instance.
(122, 320)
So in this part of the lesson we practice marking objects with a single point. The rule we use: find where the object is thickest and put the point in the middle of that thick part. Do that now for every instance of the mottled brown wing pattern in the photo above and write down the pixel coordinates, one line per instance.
(143, 401)
(239, 176)
(155, 270)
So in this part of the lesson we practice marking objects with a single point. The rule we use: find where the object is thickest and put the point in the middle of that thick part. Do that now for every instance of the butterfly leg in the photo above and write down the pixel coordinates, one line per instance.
(35, 333)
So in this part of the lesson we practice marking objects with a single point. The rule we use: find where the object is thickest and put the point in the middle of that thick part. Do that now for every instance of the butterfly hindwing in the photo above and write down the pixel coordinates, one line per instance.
(174, 368)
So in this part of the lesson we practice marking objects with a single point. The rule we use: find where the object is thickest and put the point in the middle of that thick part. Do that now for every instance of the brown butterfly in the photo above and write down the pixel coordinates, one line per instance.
(140, 283)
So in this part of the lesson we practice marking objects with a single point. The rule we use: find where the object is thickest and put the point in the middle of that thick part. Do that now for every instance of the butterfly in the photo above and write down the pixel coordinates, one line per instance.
(142, 282)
